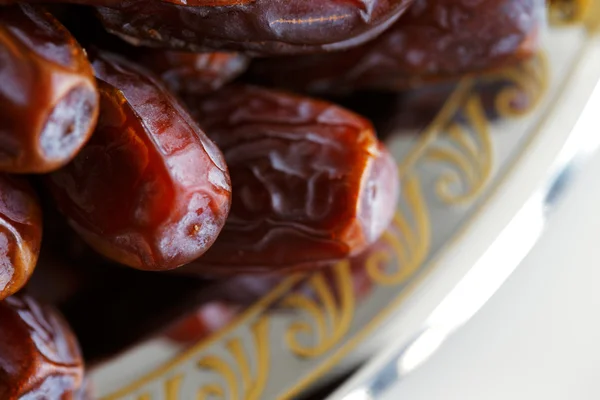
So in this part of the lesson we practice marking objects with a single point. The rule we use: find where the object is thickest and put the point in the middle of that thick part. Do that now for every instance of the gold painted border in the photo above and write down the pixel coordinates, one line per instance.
(254, 310)
(407, 290)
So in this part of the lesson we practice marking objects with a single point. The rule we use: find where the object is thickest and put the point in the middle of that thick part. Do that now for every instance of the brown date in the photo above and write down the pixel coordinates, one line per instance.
(311, 182)
(48, 97)
(20, 233)
(39, 355)
(434, 40)
(150, 190)
(195, 73)
(258, 26)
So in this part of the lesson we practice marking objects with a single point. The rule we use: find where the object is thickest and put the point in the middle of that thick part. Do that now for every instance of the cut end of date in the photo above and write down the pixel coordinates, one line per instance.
(69, 125)
(378, 195)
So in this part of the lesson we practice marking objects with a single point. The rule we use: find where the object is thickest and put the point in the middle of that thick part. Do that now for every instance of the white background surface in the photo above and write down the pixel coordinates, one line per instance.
(539, 335)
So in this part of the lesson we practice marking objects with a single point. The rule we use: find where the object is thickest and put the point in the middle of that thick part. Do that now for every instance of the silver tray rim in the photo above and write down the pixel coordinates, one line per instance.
(511, 221)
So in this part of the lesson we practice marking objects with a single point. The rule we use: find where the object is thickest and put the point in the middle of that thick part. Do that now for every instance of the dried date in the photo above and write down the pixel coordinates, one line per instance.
(256, 26)
(20, 233)
(150, 190)
(195, 73)
(311, 183)
(435, 40)
(47, 92)
(39, 355)
(259, 26)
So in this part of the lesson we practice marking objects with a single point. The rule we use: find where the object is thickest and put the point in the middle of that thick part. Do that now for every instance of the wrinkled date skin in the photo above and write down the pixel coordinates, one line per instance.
(150, 190)
(434, 40)
(48, 96)
(258, 26)
(20, 234)
(311, 183)
(195, 73)
(39, 355)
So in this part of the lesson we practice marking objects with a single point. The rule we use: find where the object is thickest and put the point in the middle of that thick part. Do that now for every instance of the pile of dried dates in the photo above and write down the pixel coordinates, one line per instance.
(160, 135)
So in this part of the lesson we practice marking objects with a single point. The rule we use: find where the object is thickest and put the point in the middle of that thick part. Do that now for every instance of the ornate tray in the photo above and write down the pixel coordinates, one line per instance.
(489, 148)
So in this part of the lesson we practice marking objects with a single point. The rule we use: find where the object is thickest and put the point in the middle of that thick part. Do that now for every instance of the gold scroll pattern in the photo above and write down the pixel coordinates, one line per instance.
(233, 380)
(329, 319)
(410, 247)
(462, 142)
(172, 388)
(324, 309)
(527, 83)
(574, 13)
(568, 12)
(465, 142)
(469, 154)
(458, 145)
(592, 17)
(249, 387)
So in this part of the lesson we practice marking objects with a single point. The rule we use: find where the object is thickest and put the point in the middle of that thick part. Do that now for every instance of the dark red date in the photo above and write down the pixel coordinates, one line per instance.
(311, 183)
(48, 97)
(150, 190)
(259, 26)
(20, 234)
(39, 355)
(195, 73)
(435, 40)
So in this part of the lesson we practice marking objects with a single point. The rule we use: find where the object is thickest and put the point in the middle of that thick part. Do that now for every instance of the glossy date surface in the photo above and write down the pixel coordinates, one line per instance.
(195, 73)
(434, 40)
(39, 355)
(311, 183)
(150, 190)
(20, 233)
(48, 97)
(259, 26)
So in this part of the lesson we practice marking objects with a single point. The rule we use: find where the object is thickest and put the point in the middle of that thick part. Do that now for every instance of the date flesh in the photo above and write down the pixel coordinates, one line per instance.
(434, 40)
(194, 73)
(311, 182)
(259, 26)
(48, 97)
(20, 233)
(150, 190)
(39, 355)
